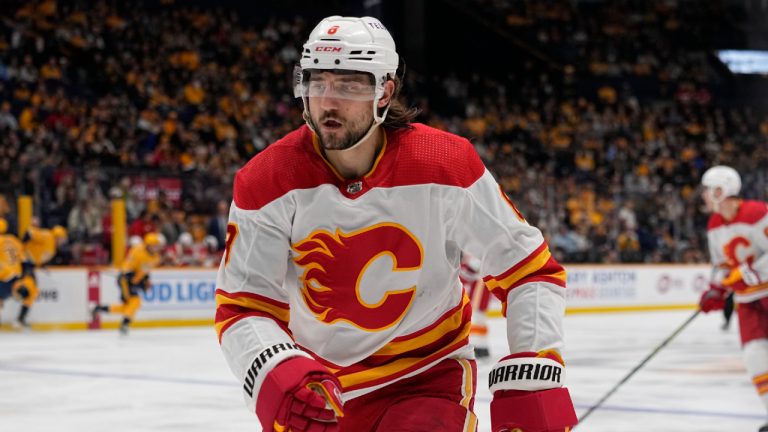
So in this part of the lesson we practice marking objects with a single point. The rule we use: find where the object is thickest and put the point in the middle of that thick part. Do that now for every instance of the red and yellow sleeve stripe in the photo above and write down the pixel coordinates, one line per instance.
(761, 383)
(409, 353)
(232, 307)
(538, 266)
(552, 355)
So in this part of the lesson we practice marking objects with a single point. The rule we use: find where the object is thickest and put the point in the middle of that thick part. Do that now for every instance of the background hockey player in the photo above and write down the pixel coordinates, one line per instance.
(339, 305)
(11, 255)
(40, 246)
(469, 274)
(134, 277)
(738, 244)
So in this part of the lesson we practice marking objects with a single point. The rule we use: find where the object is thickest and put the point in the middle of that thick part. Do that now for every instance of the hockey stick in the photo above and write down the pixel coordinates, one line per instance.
(640, 365)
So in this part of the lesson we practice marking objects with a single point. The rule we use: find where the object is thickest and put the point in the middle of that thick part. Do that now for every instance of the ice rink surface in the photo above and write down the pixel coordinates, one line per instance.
(177, 379)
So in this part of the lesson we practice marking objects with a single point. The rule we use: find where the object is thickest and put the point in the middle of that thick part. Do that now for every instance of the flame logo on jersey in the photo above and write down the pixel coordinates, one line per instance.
(738, 251)
(334, 266)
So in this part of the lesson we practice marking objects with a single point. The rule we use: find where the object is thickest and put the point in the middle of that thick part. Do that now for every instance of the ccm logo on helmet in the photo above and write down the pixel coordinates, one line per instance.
(328, 49)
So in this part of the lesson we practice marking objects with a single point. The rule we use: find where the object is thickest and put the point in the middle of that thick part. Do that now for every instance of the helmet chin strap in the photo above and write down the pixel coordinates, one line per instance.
(717, 203)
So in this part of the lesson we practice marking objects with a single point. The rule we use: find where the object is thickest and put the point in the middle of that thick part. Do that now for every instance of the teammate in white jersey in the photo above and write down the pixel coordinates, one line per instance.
(738, 245)
(339, 305)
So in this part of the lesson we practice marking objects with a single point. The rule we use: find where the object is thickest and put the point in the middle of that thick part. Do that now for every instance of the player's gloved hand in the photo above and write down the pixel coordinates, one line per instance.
(713, 299)
(299, 395)
(528, 394)
(742, 277)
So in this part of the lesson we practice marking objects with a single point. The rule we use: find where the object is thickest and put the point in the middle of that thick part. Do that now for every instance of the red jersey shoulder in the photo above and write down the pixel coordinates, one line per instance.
(429, 155)
(289, 163)
(750, 212)
(715, 220)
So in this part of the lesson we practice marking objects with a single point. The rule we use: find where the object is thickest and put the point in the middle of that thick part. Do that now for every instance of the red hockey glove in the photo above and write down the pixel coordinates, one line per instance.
(299, 395)
(528, 394)
(712, 299)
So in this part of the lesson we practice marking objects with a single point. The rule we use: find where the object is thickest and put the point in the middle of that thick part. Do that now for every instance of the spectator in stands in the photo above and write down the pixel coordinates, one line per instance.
(144, 224)
(636, 106)
(84, 222)
(217, 225)
(122, 190)
(172, 229)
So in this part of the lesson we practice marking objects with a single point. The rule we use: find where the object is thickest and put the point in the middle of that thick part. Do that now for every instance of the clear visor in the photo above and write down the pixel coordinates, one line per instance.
(708, 195)
(347, 85)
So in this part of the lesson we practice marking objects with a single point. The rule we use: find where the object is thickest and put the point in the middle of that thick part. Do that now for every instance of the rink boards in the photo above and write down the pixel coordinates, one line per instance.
(185, 296)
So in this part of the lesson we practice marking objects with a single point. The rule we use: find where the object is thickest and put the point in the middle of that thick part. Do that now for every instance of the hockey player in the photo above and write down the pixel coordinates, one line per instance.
(134, 277)
(40, 246)
(11, 254)
(469, 275)
(738, 245)
(338, 304)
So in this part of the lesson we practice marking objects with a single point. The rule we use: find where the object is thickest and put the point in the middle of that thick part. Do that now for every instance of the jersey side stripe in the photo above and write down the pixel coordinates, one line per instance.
(470, 422)
(449, 322)
(452, 326)
(372, 376)
(377, 360)
(754, 289)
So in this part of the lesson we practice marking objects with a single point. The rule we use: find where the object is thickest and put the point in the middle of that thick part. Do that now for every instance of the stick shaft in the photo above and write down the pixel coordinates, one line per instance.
(647, 358)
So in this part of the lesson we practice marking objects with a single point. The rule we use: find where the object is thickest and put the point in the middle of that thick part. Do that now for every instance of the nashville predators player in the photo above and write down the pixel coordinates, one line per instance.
(40, 245)
(11, 253)
(134, 277)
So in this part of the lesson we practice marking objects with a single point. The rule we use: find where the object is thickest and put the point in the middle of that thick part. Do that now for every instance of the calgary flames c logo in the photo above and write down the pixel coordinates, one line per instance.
(735, 251)
(334, 266)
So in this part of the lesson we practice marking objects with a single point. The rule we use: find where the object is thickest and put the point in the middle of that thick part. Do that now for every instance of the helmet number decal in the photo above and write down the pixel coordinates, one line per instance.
(333, 30)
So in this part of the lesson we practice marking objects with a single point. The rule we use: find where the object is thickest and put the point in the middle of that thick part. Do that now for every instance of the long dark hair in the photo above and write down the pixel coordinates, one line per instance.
(399, 115)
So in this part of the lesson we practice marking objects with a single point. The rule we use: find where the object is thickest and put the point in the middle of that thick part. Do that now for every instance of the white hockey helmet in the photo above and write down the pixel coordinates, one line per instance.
(211, 242)
(349, 44)
(723, 177)
(185, 239)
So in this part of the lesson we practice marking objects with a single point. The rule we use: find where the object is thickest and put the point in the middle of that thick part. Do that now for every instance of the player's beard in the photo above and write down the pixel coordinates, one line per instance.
(346, 136)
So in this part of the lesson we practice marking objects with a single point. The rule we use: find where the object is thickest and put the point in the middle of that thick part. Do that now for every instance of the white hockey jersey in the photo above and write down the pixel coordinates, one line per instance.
(742, 240)
(362, 274)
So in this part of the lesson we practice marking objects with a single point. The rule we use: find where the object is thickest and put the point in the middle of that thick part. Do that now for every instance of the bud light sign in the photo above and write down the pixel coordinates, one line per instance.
(180, 290)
